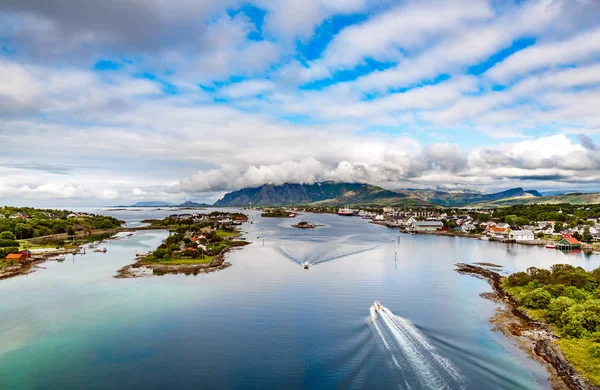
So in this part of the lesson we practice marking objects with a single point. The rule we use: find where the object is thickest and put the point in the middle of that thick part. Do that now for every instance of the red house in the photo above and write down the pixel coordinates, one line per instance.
(18, 257)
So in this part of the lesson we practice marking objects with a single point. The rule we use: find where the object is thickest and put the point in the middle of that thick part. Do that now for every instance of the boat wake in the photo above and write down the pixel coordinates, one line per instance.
(411, 354)
(323, 252)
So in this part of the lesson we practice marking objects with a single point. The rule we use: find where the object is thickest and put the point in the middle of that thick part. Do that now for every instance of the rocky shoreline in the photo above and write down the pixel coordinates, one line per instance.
(532, 336)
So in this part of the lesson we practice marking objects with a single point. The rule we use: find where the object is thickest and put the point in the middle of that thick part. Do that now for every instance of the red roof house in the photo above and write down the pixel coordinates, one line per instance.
(18, 257)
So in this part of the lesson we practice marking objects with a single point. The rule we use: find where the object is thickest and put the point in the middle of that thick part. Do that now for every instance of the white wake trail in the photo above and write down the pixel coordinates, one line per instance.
(426, 363)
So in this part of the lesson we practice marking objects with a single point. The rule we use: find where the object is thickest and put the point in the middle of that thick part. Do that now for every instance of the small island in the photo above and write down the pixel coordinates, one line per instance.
(278, 213)
(197, 244)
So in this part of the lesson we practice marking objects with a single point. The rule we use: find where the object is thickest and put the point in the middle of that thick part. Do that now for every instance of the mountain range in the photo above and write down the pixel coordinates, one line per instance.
(158, 203)
(356, 194)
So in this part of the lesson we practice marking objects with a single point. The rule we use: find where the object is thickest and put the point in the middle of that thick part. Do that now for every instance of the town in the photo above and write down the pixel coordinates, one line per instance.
(556, 226)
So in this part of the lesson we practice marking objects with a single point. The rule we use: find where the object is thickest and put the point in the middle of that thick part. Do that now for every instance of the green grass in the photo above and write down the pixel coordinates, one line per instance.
(22, 245)
(223, 234)
(577, 351)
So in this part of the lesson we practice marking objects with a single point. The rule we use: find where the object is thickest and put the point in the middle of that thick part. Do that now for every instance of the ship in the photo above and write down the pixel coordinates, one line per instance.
(345, 212)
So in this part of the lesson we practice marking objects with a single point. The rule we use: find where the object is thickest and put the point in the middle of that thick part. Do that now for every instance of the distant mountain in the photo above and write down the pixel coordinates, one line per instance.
(577, 198)
(158, 203)
(152, 203)
(352, 194)
(464, 198)
(190, 203)
(326, 193)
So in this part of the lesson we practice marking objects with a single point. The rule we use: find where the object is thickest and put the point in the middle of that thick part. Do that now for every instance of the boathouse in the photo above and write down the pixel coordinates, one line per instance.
(568, 242)
(16, 257)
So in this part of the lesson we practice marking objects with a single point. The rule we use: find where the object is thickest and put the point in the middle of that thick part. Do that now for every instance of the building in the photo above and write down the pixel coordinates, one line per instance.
(26, 252)
(568, 242)
(466, 227)
(521, 235)
(427, 226)
(16, 257)
(500, 233)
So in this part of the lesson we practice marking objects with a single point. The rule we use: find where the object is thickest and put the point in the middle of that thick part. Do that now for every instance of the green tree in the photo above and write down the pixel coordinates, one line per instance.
(7, 236)
(160, 253)
(557, 308)
(537, 299)
(23, 231)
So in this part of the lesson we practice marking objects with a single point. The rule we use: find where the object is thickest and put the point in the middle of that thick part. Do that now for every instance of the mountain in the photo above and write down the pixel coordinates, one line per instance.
(151, 203)
(326, 193)
(158, 203)
(190, 203)
(348, 194)
(577, 198)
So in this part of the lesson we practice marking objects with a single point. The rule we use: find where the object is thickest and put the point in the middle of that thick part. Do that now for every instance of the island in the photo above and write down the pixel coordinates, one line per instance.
(553, 314)
(197, 243)
(278, 213)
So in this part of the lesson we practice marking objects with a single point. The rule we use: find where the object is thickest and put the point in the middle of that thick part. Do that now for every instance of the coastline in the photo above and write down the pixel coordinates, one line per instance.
(532, 336)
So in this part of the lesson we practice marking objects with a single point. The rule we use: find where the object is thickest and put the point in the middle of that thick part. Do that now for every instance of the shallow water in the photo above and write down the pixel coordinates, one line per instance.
(266, 322)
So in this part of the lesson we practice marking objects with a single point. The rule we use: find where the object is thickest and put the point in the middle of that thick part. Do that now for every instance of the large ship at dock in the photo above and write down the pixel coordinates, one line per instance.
(345, 212)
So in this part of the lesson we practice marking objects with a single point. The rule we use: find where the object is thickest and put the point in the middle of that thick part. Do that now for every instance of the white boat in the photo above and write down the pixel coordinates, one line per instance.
(305, 265)
(551, 246)
(58, 258)
(378, 306)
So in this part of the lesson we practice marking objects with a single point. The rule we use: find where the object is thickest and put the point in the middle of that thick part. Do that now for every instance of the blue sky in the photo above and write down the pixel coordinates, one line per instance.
(194, 99)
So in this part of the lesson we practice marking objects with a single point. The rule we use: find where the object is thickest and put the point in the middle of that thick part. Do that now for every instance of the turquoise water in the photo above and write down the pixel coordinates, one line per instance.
(266, 322)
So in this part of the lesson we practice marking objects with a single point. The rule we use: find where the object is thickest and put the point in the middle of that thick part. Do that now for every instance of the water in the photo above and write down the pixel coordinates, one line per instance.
(266, 322)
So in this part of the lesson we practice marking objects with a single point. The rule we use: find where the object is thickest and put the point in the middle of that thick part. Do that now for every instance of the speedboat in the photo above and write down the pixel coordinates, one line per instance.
(305, 265)
(377, 306)
(551, 246)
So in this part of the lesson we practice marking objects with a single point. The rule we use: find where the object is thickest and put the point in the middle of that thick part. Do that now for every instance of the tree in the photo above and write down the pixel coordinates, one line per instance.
(7, 236)
(23, 231)
(540, 235)
(160, 253)
(71, 231)
(537, 299)
(557, 308)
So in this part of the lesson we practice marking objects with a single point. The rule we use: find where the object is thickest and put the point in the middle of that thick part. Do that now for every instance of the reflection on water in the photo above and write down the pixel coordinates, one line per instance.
(267, 323)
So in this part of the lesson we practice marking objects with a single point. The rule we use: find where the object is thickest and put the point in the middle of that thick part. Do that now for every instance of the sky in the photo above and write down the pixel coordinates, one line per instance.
(108, 102)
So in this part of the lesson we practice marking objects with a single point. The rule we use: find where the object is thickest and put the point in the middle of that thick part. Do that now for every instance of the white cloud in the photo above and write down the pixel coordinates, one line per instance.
(582, 47)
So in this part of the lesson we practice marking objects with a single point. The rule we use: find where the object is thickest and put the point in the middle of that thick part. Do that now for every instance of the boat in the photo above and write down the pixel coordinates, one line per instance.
(345, 212)
(378, 306)
(58, 258)
(101, 250)
(305, 265)
(551, 246)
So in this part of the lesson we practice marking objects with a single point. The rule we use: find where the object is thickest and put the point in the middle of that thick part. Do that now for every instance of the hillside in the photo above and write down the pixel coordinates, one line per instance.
(464, 198)
(576, 199)
(328, 193)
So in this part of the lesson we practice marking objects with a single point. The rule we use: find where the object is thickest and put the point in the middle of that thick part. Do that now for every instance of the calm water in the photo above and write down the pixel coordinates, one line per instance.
(267, 323)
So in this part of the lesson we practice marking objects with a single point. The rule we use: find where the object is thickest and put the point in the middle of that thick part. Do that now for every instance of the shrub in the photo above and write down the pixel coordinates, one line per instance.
(160, 253)
(595, 350)
(557, 308)
(518, 279)
(537, 299)
(575, 293)
(8, 243)
(556, 290)
(7, 236)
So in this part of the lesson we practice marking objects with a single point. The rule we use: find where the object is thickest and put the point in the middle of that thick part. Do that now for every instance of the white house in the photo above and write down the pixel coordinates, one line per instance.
(466, 227)
(521, 235)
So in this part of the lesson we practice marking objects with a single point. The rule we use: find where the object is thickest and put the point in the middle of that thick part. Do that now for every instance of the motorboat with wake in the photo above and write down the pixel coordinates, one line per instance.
(306, 264)
(378, 306)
